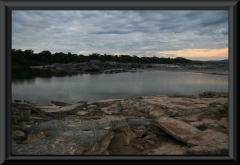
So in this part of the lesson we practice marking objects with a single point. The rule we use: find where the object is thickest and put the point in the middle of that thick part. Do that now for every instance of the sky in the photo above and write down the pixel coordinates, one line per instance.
(192, 34)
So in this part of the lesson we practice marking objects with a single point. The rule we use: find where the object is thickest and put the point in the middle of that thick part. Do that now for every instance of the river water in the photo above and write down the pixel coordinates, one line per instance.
(42, 86)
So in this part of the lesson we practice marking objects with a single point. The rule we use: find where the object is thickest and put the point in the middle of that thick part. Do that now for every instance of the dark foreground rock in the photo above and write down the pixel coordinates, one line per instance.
(153, 125)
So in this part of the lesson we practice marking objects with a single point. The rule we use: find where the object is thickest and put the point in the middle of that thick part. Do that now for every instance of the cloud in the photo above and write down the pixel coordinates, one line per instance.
(216, 19)
(142, 33)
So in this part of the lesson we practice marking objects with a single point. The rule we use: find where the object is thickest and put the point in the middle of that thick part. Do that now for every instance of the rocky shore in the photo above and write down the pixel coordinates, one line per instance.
(115, 67)
(152, 125)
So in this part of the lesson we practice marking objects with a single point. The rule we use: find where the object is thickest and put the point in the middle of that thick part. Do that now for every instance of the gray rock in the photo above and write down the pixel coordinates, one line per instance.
(210, 94)
(93, 106)
(36, 119)
(18, 135)
(86, 68)
(110, 63)
(54, 66)
(138, 126)
(70, 136)
(25, 127)
(100, 146)
(134, 65)
(134, 122)
(44, 126)
(95, 62)
(119, 124)
(20, 112)
(113, 109)
(123, 131)
(68, 142)
(92, 68)
(82, 64)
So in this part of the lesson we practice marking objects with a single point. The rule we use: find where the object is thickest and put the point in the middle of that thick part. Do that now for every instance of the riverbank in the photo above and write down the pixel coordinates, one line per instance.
(151, 125)
(114, 67)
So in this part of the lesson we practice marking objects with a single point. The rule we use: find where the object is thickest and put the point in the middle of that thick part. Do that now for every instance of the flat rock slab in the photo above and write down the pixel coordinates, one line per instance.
(207, 150)
(169, 149)
(176, 128)
(54, 110)
(208, 138)
(208, 142)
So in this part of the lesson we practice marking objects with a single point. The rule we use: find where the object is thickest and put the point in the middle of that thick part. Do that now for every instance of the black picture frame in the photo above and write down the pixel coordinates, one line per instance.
(6, 7)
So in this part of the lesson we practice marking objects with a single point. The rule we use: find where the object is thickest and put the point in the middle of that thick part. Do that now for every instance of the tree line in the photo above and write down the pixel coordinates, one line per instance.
(29, 58)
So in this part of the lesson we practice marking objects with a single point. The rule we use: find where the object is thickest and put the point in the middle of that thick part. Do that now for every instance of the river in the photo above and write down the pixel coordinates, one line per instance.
(42, 86)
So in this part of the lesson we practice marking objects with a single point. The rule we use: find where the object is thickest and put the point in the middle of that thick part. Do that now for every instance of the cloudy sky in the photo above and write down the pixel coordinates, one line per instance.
(196, 35)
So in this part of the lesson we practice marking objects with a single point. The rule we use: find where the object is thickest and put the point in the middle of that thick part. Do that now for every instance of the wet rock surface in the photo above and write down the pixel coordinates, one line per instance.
(152, 125)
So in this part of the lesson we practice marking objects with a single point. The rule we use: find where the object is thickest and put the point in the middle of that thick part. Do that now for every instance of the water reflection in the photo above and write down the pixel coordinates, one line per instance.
(21, 81)
(90, 87)
(46, 80)
(32, 73)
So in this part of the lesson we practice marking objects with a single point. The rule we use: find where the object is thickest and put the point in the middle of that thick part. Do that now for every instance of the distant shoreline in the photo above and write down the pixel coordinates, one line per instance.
(114, 67)
(208, 94)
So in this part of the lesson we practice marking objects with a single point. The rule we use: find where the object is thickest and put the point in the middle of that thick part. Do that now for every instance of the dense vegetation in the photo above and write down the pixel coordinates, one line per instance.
(29, 58)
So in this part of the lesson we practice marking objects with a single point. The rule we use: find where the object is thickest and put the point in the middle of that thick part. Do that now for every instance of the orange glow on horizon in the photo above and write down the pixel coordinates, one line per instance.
(197, 54)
